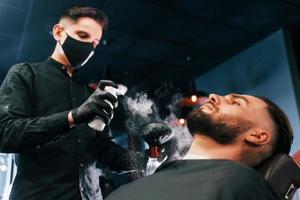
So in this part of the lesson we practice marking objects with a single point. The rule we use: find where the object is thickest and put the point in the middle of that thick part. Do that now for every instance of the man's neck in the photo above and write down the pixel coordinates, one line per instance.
(63, 60)
(207, 147)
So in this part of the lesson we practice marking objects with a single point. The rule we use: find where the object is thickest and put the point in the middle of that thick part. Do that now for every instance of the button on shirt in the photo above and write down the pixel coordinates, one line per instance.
(54, 161)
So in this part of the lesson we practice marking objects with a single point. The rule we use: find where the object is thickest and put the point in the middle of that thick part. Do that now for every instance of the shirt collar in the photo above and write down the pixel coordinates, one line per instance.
(62, 67)
(56, 64)
(195, 157)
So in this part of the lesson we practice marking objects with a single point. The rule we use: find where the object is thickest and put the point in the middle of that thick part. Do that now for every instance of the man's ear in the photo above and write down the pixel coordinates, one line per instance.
(257, 137)
(57, 32)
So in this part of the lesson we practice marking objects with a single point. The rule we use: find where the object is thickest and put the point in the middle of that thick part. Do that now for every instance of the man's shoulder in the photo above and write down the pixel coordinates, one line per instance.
(209, 164)
(233, 170)
(210, 177)
(25, 67)
(221, 171)
(235, 176)
(225, 175)
(236, 167)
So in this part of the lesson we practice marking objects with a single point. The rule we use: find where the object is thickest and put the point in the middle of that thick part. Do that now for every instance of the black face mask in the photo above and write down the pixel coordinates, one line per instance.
(77, 52)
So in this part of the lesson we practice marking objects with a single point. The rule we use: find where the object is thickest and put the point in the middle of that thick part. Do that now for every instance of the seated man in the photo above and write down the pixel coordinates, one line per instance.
(230, 133)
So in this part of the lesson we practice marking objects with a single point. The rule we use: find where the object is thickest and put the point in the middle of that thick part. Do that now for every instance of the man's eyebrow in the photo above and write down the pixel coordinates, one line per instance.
(240, 97)
(82, 31)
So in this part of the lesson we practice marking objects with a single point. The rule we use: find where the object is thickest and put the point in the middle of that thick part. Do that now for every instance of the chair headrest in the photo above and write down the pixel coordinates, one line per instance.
(282, 173)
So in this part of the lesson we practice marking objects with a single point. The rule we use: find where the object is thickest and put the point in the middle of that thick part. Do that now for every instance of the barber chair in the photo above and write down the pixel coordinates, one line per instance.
(282, 173)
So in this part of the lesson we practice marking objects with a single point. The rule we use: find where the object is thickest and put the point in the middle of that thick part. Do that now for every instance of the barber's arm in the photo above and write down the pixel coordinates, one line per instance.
(18, 130)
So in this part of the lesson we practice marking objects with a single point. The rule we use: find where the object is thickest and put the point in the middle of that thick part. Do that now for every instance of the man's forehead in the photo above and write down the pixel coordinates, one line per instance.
(84, 24)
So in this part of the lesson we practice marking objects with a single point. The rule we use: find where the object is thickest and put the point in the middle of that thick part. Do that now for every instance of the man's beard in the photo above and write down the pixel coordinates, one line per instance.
(224, 130)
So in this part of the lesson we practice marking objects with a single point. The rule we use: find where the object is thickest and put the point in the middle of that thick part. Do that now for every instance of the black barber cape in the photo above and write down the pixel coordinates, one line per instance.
(53, 160)
(198, 180)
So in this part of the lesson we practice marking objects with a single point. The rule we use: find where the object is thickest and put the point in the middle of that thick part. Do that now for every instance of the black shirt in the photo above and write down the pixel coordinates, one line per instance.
(198, 180)
(54, 161)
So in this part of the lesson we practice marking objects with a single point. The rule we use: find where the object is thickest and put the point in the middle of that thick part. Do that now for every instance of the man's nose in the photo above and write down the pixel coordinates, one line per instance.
(214, 98)
(95, 43)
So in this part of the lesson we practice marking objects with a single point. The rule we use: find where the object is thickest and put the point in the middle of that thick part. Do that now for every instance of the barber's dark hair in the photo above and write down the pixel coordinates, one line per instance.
(284, 133)
(76, 12)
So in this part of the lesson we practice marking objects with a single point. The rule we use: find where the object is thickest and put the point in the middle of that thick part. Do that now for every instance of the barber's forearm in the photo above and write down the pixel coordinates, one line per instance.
(19, 134)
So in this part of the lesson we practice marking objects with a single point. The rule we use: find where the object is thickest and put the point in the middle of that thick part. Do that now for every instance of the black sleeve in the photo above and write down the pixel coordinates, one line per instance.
(117, 157)
(20, 131)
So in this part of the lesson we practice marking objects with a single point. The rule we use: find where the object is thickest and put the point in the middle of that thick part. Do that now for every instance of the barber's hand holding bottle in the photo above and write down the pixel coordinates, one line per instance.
(99, 104)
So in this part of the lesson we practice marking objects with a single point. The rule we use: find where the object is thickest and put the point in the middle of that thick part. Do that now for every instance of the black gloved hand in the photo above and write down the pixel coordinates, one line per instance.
(103, 83)
(156, 134)
(100, 103)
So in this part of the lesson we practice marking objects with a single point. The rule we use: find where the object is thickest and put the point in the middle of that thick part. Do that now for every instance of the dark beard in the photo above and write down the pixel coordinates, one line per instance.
(223, 130)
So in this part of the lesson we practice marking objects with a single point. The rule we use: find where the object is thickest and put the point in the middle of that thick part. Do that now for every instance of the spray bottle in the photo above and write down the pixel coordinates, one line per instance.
(97, 123)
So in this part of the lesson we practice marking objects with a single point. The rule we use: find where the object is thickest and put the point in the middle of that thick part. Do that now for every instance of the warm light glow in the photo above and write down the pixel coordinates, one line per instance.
(181, 121)
(194, 98)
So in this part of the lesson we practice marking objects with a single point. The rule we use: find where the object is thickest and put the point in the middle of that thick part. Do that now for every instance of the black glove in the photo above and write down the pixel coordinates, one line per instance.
(100, 103)
(156, 134)
(103, 83)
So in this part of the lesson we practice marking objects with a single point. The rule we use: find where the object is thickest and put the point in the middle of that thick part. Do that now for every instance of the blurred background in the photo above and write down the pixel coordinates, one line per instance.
(169, 47)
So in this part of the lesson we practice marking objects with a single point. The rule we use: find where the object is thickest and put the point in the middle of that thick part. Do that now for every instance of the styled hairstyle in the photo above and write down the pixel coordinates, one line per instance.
(283, 131)
(76, 12)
